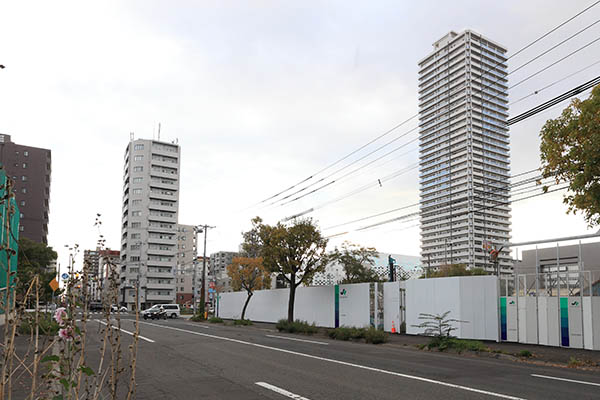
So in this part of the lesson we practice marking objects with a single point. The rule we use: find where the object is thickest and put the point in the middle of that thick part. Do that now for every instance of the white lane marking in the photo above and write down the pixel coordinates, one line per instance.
(383, 371)
(565, 379)
(298, 340)
(129, 333)
(200, 325)
(281, 391)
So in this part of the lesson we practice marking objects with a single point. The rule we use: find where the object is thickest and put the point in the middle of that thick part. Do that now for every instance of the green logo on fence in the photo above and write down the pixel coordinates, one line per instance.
(343, 292)
(575, 303)
(512, 302)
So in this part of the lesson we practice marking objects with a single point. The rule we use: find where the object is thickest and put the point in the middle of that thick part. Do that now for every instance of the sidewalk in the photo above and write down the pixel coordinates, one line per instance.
(546, 354)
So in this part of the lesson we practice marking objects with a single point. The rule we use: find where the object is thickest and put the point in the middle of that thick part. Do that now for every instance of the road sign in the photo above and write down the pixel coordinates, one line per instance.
(65, 276)
(211, 290)
(53, 284)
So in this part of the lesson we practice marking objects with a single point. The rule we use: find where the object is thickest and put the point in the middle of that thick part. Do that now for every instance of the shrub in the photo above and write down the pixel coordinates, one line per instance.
(215, 320)
(371, 335)
(242, 322)
(198, 318)
(296, 326)
(525, 353)
(443, 343)
(47, 325)
(375, 336)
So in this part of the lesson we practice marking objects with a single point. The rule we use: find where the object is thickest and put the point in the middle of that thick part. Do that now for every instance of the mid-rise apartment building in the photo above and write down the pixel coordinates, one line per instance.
(464, 152)
(218, 269)
(149, 222)
(30, 169)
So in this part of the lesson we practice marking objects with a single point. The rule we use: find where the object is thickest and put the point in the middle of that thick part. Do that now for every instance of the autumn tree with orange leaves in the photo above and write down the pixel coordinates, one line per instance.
(248, 274)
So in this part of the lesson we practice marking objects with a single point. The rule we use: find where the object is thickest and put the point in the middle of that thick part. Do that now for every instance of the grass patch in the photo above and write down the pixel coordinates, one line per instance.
(198, 318)
(296, 326)
(187, 311)
(47, 325)
(375, 336)
(215, 320)
(525, 353)
(241, 322)
(459, 345)
(370, 335)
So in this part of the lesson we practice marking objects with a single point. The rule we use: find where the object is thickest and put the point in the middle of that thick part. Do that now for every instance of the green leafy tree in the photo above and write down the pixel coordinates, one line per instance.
(34, 259)
(570, 152)
(357, 261)
(295, 251)
(454, 270)
(248, 274)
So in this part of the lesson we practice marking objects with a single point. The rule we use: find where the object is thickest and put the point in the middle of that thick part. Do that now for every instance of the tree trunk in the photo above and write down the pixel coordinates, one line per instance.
(246, 304)
(291, 300)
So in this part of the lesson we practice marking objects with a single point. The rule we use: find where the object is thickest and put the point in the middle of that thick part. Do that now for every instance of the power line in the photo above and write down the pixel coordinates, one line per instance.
(556, 28)
(554, 47)
(527, 180)
(412, 117)
(554, 83)
(573, 92)
(468, 212)
(354, 170)
(343, 158)
(554, 63)
(348, 165)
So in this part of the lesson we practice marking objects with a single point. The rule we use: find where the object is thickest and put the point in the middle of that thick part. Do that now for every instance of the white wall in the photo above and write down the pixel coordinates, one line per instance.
(312, 304)
(391, 306)
(473, 299)
(354, 305)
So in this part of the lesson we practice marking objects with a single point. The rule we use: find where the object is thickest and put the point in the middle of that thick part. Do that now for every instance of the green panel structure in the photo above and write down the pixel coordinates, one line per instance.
(8, 211)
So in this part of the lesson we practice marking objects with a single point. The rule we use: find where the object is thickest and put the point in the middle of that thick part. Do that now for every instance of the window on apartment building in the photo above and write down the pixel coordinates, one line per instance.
(21, 228)
(136, 213)
(134, 247)
(26, 153)
(137, 180)
(24, 165)
(23, 190)
(24, 178)
(136, 191)
(135, 235)
(138, 169)
(138, 147)
(21, 215)
(136, 224)
(136, 202)
(134, 258)
(22, 202)
(138, 158)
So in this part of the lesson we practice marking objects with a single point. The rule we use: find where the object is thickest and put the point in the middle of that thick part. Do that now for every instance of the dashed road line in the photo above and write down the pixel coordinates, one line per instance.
(348, 364)
(297, 340)
(280, 391)
(129, 333)
(565, 379)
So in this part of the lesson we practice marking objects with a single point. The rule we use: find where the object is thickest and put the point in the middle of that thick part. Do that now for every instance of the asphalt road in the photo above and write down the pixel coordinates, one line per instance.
(178, 359)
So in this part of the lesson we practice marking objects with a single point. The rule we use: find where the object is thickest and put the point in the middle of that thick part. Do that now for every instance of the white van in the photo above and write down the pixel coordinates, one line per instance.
(172, 310)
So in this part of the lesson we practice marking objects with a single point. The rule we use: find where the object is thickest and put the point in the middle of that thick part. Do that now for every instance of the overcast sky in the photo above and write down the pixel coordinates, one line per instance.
(260, 95)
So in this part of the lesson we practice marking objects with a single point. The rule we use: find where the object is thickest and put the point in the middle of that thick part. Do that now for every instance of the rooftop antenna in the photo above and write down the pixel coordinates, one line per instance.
(159, 131)
(131, 135)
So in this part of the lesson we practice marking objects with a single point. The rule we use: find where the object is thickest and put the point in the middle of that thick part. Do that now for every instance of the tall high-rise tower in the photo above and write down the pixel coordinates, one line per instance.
(149, 222)
(464, 152)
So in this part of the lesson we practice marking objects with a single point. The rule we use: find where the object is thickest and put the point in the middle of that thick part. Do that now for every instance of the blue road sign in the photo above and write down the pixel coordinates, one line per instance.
(65, 276)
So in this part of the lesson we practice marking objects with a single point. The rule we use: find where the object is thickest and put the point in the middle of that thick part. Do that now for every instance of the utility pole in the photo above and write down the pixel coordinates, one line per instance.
(201, 229)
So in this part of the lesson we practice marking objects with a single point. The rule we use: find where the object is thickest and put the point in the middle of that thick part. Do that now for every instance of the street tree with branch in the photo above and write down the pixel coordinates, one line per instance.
(570, 152)
(248, 274)
(357, 261)
(295, 251)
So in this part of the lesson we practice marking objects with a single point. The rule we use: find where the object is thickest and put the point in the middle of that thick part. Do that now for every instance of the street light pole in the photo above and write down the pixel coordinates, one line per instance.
(201, 229)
